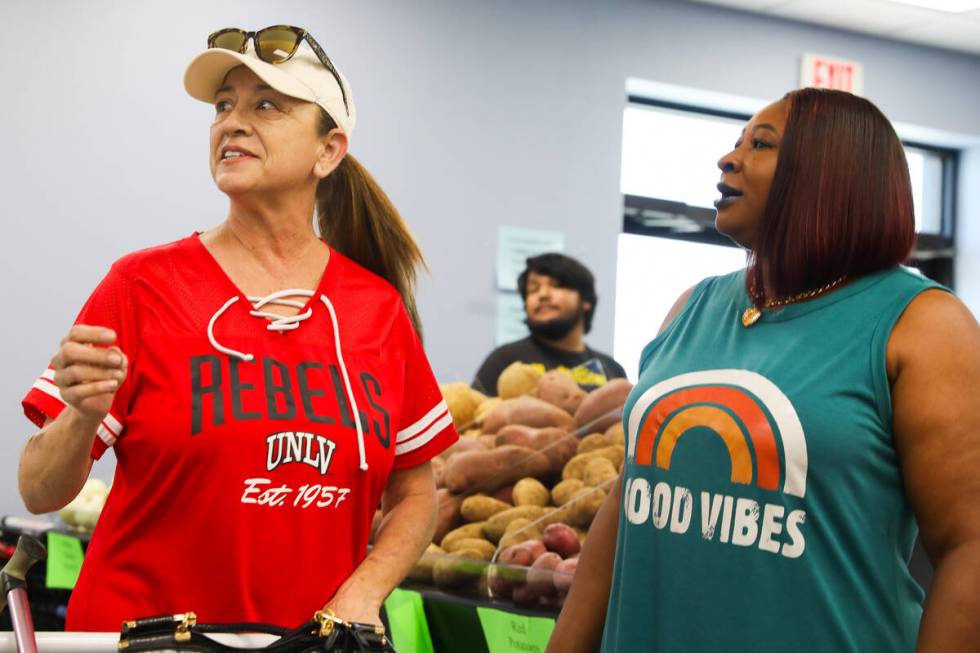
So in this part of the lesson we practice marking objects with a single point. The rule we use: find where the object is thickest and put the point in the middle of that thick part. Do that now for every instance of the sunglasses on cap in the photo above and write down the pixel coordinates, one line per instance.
(274, 44)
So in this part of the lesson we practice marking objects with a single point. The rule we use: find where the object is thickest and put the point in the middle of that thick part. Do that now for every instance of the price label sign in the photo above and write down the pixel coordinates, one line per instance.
(64, 561)
(514, 633)
(406, 615)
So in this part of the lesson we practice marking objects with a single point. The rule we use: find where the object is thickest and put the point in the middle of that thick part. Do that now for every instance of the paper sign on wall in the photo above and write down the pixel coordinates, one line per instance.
(515, 245)
(830, 72)
(510, 318)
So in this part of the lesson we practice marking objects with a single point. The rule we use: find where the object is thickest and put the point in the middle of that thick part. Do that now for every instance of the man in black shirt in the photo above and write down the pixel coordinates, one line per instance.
(559, 300)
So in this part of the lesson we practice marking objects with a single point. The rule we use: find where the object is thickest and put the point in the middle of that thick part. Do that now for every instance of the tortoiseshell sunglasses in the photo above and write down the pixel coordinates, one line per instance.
(274, 44)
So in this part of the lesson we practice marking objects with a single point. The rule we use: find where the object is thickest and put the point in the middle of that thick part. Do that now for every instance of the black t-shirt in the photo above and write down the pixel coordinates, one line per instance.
(590, 368)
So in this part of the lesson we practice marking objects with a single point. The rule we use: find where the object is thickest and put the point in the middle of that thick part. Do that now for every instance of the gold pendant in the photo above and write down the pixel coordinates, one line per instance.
(751, 316)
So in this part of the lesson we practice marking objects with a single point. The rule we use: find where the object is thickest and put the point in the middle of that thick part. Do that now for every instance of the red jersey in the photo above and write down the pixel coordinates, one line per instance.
(240, 491)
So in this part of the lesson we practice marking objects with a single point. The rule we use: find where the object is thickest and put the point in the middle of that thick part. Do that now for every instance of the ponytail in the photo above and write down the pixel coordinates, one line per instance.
(358, 220)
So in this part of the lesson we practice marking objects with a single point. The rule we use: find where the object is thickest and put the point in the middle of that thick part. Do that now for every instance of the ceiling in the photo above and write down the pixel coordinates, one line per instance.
(959, 31)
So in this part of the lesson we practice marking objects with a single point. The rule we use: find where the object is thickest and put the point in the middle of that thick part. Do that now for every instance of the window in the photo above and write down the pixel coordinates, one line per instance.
(668, 177)
(651, 273)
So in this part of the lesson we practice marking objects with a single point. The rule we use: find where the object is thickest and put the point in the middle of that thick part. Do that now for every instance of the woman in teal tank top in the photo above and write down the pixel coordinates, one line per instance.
(796, 423)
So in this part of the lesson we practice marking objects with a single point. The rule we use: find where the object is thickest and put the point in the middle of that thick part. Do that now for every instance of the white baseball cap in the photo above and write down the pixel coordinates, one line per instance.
(303, 77)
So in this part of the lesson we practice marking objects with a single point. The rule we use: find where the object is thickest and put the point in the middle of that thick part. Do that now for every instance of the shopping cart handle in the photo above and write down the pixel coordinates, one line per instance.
(29, 550)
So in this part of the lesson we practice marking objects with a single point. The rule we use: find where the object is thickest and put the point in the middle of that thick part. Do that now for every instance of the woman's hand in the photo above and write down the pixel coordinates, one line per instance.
(355, 609)
(409, 506)
(88, 370)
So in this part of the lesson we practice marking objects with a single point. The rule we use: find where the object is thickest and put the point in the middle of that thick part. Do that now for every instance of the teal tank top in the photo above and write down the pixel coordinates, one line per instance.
(763, 507)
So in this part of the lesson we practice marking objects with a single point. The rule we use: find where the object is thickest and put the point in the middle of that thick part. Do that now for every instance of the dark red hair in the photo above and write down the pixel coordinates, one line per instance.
(840, 202)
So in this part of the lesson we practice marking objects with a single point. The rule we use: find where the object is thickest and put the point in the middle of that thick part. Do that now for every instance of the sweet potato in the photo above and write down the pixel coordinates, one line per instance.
(556, 443)
(563, 491)
(522, 436)
(439, 472)
(488, 470)
(563, 574)
(505, 494)
(494, 528)
(448, 516)
(527, 411)
(485, 407)
(480, 508)
(540, 580)
(531, 492)
(558, 387)
(518, 379)
(600, 402)
(469, 443)
(562, 539)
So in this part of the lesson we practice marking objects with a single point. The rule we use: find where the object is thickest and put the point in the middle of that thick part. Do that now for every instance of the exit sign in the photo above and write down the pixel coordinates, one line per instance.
(827, 72)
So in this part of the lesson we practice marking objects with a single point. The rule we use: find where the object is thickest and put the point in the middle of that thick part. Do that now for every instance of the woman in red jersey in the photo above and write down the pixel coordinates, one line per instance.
(263, 387)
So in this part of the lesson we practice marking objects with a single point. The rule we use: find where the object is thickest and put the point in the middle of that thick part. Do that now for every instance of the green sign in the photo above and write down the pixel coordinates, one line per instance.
(406, 616)
(514, 633)
(64, 561)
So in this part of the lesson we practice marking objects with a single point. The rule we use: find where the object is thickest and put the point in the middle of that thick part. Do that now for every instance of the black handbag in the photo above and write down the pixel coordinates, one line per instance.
(325, 633)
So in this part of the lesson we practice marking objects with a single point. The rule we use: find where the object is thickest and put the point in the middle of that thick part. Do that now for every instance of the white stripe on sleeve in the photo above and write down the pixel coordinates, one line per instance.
(49, 389)
(425, 436)
(410, 432)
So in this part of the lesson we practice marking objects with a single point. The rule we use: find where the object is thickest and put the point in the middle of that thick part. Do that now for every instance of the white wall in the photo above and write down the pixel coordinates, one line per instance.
(472, 113)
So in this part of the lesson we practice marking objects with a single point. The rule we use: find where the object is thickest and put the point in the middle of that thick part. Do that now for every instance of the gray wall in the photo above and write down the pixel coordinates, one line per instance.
(472, 114)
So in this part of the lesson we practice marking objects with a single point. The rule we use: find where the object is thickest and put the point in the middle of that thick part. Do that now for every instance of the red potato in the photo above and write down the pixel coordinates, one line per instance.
(527, 411)
(539, 576)
(488, 470)
(522, 595)
(562, 539)
(510, 570)
(516, 554)
(500, 586)
(600, 402)
(564, 573)
(535, 547)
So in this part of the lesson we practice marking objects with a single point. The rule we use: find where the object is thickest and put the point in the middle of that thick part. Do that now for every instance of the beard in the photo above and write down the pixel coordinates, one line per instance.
(556, 328)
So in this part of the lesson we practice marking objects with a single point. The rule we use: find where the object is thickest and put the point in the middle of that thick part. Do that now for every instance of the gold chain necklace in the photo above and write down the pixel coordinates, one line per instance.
(752, 314)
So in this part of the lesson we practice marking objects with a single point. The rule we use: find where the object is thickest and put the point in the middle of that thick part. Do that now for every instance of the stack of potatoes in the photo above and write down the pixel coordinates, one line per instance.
(522, 483)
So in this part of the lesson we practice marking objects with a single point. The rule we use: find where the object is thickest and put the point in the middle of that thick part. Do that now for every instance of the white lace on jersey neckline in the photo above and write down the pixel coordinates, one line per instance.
(280, 323)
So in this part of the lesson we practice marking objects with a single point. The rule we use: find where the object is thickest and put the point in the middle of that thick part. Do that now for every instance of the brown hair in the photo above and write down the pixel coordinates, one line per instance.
(358, 219)
(841, 200)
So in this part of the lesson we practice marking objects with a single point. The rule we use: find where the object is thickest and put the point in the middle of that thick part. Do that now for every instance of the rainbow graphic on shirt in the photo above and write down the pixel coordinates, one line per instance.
(756, 422)
(743, 408)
